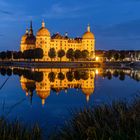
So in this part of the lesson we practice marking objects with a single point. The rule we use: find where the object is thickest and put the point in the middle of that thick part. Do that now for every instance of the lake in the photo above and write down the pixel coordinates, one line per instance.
(47, 96)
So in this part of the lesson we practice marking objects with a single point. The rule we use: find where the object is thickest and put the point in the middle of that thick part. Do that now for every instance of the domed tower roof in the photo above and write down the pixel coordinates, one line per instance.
(88, 92)
(43, 31)
(88, 34)
(24, 37)
(43, 94)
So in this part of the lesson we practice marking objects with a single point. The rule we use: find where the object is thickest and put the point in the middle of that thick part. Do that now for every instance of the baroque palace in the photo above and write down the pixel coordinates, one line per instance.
(45, 41)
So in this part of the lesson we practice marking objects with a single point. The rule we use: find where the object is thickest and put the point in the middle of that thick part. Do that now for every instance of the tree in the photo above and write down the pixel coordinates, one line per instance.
(9, 54)
(70, 54)
(3, 55)
(77, 54)
(108, 55)
(61, 53)
(52, 53)
(116, 56)
(122, 56)
(30, 54)
(85, 54)
(39, 53)
(19, 54)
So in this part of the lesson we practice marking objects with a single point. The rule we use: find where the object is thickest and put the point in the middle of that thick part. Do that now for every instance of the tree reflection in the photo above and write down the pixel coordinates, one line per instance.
(109, 75)
(115, 73)
(3, 71)
(51, 76)
(77, 75)
(84, 75)
(9, 72)
(122, 76)
(61, 76)
(44, 80)
(70, 76)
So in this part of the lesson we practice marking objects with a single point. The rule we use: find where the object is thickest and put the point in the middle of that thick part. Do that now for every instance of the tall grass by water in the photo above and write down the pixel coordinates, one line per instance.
(118, 121)
(16, 131)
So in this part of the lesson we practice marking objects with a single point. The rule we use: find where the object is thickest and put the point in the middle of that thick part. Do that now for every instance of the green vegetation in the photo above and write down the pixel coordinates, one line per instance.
(27, 54)
(16, 131)
(118, 121)
(52, 53)
(118, 55)
(70, 54)
(61, 53)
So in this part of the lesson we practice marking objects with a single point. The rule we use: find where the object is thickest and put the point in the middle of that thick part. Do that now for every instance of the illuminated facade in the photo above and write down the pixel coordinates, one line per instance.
(43, 88)
(44, 40)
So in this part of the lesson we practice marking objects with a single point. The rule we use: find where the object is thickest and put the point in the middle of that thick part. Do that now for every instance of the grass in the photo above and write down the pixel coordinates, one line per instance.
(16, 131)
(118, 121)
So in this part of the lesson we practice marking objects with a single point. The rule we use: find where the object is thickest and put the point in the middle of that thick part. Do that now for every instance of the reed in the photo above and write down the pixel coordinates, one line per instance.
(16, 131)
(118, 121)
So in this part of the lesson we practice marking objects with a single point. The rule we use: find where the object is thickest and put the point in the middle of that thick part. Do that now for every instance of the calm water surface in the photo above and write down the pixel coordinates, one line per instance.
(46, 96)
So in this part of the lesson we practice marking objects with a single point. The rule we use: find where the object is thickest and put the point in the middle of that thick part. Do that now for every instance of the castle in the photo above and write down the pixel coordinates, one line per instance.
(45, 41)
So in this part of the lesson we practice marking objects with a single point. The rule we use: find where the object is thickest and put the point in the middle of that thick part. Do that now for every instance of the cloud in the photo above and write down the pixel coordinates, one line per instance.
(6, 12)
(60, 11)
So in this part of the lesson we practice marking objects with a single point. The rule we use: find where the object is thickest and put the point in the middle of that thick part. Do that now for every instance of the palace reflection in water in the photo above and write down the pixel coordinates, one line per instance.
(58, 80)
(43, 81)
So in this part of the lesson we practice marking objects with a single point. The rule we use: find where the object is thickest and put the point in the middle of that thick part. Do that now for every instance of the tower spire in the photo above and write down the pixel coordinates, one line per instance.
(88, 28)
(31, 28)
(43, 23)
(87, 98)
(27, 31)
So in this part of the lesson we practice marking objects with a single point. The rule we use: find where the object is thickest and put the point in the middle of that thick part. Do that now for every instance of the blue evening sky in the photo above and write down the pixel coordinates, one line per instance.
(115, 23)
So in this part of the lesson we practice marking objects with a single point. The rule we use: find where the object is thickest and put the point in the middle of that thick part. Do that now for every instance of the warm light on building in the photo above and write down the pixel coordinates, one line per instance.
(43, 88)
(97, 58)
(96, 71)
(45, 41)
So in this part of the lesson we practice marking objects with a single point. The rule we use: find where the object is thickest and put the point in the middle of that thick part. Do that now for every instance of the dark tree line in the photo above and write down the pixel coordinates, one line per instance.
(36, 76)
(27, 54)
(118, 55)
(70, 54)
(38, 54)
(70, 75)
(116, 74)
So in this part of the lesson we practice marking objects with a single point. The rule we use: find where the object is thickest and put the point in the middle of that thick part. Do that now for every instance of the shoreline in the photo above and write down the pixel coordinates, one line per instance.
(57, 64)
(65, 64)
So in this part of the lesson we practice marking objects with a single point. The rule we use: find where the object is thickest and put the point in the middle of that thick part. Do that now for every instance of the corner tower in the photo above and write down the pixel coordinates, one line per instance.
(88, 42)
(23, 44)
(28, 40)
(43, 38)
